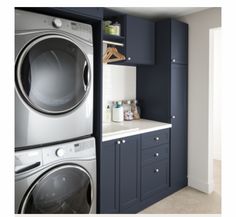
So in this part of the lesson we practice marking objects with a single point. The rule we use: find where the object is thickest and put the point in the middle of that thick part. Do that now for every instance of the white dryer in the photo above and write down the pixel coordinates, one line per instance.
(53, 79)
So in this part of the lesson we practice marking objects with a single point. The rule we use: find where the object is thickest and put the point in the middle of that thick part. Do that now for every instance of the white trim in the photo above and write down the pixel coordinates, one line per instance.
(201, 185)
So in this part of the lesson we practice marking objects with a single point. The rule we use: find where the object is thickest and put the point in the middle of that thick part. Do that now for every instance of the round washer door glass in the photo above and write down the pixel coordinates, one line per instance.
(53, 74)
(65, 190)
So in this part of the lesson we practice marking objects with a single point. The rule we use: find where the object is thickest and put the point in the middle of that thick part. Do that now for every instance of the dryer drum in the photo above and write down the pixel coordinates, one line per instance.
(53, 74)
(65, 189)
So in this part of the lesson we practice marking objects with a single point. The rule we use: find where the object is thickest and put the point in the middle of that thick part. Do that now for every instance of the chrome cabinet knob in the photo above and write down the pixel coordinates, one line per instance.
(156, 154)
(156, 170)
(118, 142)
(173, 60)
(129, 58)
(123, 141)
(173, 117)
(157, 138)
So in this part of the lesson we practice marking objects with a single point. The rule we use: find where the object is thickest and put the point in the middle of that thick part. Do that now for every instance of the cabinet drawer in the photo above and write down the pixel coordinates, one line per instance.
(155, 138)
(155, 178)
(151, 155)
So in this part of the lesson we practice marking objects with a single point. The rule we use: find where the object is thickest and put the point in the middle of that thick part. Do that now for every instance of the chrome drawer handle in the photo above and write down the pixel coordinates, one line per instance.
(118, 142)
(123, 141)
(156, 170)
(156, 154)
(157, 138)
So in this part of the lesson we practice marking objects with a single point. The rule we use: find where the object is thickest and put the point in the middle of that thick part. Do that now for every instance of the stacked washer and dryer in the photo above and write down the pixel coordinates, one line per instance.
(55, 157)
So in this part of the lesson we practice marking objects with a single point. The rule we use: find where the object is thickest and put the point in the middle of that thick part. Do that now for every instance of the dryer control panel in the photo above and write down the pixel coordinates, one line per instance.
(26, 21)
(78, 150)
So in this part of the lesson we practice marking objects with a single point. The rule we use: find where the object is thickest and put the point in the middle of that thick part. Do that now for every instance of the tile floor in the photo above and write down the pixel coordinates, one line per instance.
(191, 201)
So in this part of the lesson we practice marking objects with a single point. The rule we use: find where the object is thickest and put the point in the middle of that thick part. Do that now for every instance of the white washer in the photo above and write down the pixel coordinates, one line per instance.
(56, 179)
(54, 79)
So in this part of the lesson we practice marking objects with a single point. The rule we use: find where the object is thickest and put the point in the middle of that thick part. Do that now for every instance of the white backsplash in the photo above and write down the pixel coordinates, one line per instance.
(119, 82)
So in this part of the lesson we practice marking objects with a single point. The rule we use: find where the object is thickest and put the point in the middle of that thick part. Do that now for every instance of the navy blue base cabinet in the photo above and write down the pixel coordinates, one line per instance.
(134, 172)
(120, 174)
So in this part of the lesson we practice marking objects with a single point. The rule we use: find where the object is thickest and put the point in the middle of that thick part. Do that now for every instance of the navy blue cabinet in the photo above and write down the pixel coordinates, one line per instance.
(155, 163)
(140, 43)
(134, 172)
(165, 96)
(171, 42)
(155, 178)
(120, 174)
(109, 177)
(129, 172)
(94, 12)
(179, 125)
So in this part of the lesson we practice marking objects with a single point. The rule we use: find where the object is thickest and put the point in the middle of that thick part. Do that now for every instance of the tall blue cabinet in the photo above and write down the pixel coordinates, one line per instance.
(162, 92)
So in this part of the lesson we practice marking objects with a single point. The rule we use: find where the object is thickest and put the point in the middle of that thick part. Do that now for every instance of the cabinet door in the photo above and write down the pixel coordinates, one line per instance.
(129, 172)
(109, 177)
(139, 41)
(179, 42)
(179, 125)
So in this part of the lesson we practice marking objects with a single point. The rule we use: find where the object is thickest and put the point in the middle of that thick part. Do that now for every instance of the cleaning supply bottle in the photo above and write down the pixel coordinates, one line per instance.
(107, 114)
(118, 112)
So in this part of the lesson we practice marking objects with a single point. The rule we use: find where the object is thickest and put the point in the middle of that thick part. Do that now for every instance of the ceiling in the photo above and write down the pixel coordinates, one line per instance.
(156, 13)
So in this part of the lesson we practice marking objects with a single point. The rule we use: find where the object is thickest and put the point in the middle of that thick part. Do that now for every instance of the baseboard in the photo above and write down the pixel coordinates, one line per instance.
(200, 185)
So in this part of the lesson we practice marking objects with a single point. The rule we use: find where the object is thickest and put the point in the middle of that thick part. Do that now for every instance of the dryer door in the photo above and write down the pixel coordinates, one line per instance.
(65, 189)
(53, 74)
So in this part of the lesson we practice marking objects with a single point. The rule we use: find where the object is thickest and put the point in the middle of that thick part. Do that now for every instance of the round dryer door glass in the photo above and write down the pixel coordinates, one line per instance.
(53, 74)
(66, 189)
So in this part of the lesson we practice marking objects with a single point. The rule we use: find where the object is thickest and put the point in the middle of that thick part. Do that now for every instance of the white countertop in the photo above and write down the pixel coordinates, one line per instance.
(115, 130)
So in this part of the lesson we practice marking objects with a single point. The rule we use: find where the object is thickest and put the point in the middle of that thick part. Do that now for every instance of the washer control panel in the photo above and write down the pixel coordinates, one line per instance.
(29, 160)
(80, 149)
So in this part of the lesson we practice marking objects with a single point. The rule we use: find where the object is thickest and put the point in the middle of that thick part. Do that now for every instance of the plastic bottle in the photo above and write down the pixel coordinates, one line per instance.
(118, 112)
(108, 114)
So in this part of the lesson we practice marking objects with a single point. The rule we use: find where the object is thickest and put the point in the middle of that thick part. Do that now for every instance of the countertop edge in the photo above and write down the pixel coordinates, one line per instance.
(137, 132)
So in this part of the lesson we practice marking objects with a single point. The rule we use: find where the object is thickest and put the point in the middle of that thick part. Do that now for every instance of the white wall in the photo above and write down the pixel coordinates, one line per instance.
(199, 163)
(215, 91)
(119, 82)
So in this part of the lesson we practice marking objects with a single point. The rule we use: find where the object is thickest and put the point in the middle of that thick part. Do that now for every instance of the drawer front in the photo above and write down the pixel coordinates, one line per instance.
(154, 154)
(155, 138)
(155, 178)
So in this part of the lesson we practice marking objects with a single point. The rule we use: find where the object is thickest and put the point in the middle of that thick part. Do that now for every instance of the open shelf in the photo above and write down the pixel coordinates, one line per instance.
(114, 38)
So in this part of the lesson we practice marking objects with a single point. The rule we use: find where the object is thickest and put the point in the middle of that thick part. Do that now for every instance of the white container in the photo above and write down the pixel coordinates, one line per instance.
(118, 114)
(107, 118)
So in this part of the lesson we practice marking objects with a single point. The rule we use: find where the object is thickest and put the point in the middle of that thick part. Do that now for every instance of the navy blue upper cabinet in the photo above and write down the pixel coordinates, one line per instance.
(171, 42)
(93, 12)
(140, 45)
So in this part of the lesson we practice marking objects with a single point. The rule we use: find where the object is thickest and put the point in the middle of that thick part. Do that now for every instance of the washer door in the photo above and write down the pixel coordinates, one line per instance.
(53, 74)
(65, 189)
